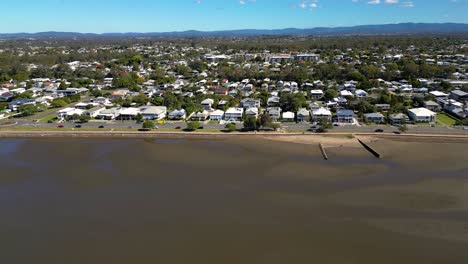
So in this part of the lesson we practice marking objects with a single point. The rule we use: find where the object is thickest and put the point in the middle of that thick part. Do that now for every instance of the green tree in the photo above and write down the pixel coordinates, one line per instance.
(325, 125)
(403, 128)
(250, 123)
(264, 121)
(148, 124)
(58, 103)
(28, 109)
(230, 127)
(84, 118)
(193, 125)
(139, 118)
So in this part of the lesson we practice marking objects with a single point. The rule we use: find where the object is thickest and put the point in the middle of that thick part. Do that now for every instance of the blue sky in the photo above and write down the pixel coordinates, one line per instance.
(100, 16)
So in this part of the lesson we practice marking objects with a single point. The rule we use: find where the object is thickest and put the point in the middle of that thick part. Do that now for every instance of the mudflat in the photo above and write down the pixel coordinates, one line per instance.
(232, 200)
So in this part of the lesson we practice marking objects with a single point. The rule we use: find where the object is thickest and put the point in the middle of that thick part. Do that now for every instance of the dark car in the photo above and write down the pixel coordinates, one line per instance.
(201, 127)
(396, 132)
(178, 127)
(60, 126)
(101, 126)
(379, 130)
(78, 126)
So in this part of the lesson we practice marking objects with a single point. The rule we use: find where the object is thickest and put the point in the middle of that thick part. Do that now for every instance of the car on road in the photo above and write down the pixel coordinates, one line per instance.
(178, 127)
(156, 127)
(101, 126)
(60, 126)
(379, 130)
(397, 132)
(465, 128)
(78, 126)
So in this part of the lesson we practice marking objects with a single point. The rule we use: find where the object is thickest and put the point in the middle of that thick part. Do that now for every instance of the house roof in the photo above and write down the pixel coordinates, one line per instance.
(421, 112)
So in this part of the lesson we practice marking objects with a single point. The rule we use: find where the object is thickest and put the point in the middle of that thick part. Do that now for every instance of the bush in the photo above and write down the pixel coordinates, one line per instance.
(193, 125)
(230, 127)
(148, 124)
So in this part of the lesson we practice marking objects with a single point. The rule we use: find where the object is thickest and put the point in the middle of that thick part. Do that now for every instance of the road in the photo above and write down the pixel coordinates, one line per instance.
(293, 127)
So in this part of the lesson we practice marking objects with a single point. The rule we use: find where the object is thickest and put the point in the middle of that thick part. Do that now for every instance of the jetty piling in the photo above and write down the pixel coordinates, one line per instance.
(370, 149)
(324, 153)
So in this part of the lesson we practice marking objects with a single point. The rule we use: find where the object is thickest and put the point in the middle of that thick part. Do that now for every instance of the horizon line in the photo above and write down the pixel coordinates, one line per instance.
(225, 30)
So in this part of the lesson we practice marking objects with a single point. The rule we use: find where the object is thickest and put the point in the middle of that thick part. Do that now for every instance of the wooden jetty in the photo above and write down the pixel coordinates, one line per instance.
(370, 149)
(324, 153)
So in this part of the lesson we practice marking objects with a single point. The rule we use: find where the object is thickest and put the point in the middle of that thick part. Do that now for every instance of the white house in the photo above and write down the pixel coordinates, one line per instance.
(422, 115)
(177, 115)
(316, 94)
(320, 113)
(153, 112)
(288, 116)
(303, 115)
(217, 115)
(234, 114)
(252, 111)
(345, 116)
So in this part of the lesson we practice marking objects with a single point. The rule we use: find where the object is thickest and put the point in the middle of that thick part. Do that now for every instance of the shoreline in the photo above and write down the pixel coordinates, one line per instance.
(305, 138)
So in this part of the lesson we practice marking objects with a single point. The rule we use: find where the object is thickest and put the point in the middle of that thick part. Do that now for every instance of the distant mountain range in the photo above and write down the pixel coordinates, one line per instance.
(387, 29)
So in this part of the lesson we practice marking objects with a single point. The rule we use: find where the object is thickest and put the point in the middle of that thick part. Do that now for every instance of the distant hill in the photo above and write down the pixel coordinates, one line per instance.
(387, 29)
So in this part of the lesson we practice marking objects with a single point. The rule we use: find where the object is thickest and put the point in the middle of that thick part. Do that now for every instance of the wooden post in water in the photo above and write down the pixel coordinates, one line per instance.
(324, 153)
(370, 149)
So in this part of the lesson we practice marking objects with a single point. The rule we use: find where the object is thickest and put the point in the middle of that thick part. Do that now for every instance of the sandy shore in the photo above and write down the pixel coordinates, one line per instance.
(328, 140)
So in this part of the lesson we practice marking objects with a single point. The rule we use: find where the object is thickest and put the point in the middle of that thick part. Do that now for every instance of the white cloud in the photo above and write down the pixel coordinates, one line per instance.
(374, 2)
(407, 4)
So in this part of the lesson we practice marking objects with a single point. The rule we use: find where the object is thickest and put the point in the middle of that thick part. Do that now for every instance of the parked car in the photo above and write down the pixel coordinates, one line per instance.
(178, 127)
(101, 126)
(379, 130)
(78, 126)
(60, 126)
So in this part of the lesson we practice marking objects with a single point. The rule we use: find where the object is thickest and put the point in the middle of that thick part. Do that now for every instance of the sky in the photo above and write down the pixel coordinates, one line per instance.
(105, 16)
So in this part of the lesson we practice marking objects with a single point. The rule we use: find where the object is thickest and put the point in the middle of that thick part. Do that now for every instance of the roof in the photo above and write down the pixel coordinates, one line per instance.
(322, 111)
(288, 115)
(345, 112)
(374, 115)
(438, 93)
(421, 112)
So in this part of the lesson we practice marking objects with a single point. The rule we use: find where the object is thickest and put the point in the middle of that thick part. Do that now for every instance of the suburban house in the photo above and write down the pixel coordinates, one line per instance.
(207, 104)
(421, 115)
(319, 114)
(177, 114)
(234, 114)
(153, 112)
(316, 94)
(15, 104)
(431, 105)
(252, 111)
(274, 113)
(93, 112)
(69, 111)
(108, 114)
(273, 101)
(303, 115)
(250, 103)
(217, 115)
(345, 116)
(376, 118)
(128, 113)
(288, 116)
(382, 107)
(200, 116)
(459, 95)
(398, 119)
(361, 94)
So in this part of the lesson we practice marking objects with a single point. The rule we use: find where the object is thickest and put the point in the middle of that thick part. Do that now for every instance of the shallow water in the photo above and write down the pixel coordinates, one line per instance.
(231, 201)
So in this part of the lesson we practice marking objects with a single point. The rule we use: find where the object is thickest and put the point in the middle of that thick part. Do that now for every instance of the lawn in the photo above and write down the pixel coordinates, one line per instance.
(446, 119)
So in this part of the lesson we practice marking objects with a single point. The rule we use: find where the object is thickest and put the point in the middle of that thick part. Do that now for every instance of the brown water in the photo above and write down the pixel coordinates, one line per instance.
(231, 201)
